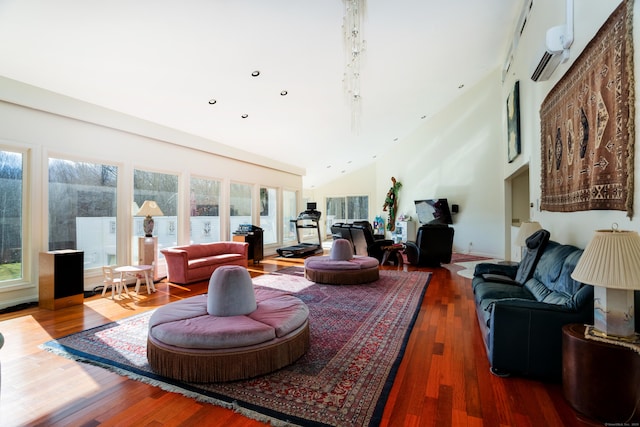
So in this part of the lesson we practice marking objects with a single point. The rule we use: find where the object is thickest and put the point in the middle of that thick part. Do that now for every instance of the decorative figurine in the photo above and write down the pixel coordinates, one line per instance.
(391, 203)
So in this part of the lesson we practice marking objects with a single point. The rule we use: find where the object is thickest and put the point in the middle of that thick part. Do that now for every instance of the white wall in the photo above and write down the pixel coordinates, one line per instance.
(58, 126)
(457, 154)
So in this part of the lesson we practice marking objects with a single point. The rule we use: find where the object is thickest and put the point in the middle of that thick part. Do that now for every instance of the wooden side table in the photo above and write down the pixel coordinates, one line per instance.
(599, 380)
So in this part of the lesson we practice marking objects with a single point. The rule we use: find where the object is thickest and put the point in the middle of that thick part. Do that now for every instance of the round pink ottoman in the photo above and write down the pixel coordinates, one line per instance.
(341, 267)
(234, 332)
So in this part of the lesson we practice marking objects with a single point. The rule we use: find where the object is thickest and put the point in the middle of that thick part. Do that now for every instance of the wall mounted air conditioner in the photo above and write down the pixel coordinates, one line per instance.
(558, 42)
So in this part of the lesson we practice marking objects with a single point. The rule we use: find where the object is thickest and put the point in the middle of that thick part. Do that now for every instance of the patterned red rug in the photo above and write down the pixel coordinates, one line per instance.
(457, 257)
(358, 337)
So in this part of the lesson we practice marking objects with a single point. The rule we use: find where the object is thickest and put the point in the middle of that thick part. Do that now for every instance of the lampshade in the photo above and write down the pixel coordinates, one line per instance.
(527, 228)
(149, 208)
(611, 260)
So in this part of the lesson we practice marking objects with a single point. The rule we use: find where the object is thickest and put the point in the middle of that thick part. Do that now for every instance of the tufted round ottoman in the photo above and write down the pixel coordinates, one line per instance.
(341, 267)
(234, 332)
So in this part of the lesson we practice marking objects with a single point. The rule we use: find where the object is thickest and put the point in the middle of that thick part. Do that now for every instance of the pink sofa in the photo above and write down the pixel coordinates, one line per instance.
(193, 263)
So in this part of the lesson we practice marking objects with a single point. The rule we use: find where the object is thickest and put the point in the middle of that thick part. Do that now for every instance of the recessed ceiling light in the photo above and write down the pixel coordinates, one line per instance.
(244, 116)
(349, 162)
(395, 139)
(284, 93)
(328, 166)
(461, 86)
(423, 117)
(343, 171)
(256, 73)
(212, 101)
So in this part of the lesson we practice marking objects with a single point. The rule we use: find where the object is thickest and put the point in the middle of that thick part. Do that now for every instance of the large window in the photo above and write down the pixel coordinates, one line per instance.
(161, 188)
(239, 206)
(268, 214)
(289, 212)
(346, 209)
(82, 210)
(205, 210)
(11, 206)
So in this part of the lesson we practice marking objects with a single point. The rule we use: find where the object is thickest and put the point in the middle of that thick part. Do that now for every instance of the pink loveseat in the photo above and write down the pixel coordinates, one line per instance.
(193, 263)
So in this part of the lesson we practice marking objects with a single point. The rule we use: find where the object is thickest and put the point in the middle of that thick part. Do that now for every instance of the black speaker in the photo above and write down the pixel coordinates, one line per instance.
(455, 208)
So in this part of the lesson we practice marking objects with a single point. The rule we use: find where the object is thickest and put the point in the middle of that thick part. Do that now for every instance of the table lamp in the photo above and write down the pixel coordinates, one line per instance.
(527, 228)
(149, 208)
(611, 263)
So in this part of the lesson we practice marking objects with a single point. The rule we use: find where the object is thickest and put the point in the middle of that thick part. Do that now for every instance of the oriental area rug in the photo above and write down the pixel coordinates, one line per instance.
(358, 337)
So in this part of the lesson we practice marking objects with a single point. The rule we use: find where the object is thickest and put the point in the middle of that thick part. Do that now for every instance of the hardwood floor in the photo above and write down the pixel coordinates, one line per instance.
(444, 378)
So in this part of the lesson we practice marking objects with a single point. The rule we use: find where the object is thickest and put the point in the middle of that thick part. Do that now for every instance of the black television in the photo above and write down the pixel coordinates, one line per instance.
(433, 211)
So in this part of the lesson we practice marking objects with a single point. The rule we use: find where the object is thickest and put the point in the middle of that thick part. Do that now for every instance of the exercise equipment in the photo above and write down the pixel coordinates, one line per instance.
(305, 220)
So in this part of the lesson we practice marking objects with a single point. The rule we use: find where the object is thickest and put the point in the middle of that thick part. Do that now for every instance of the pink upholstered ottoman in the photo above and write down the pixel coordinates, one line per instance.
(341, 267)
(252, 332)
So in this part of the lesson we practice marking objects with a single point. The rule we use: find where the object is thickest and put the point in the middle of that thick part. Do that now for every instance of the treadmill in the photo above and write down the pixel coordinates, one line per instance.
(306, 219)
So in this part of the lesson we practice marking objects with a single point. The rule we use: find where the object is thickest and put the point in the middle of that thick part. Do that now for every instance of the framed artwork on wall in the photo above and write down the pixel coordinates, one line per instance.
(513, 123)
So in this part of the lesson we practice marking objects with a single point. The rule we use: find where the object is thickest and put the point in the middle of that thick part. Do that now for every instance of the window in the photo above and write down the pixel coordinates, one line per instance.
(346, 209)
(205, 210)
(11, 215)
(357, 208)
(268, 215)
(163, 189)
(82, 210)
(240, 205)
(289, 212)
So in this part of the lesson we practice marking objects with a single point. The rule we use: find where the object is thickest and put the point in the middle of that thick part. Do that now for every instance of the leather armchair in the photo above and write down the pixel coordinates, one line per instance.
(362, 238)
(433, 246)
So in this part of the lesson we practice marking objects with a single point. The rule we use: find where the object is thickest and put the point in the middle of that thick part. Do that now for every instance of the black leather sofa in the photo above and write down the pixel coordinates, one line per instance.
(362, 238)
(521, 309)
(433, 246)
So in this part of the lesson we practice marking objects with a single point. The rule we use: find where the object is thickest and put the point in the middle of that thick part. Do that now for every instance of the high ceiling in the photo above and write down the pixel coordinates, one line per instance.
(163, 61)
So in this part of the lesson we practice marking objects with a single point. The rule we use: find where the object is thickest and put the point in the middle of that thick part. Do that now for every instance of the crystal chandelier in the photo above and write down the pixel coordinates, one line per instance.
(354, 11)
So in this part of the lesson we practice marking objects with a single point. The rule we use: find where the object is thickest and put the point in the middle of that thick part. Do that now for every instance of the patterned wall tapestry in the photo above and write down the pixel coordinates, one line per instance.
(588, 127)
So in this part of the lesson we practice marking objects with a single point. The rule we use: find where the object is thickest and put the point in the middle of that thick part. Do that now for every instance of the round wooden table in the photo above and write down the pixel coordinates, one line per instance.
(600, 380)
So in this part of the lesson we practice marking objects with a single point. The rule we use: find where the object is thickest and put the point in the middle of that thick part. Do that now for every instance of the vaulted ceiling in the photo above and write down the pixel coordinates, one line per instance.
(188, 64)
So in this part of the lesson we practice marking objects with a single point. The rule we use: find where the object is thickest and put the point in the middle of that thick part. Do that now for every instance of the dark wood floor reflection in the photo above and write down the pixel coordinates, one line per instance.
(444, 378)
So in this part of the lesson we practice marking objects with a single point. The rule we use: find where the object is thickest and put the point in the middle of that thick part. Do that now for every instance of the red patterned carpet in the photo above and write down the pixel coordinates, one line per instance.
(358, 337)
(457, 257)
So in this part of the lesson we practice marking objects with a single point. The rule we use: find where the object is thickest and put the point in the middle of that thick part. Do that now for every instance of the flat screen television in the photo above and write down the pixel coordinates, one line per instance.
(433, 211)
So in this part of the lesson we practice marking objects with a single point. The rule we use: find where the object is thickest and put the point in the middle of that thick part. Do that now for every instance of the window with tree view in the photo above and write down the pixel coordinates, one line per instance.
(11, 215)
(205, 210)
(82, 209)
(346, 209)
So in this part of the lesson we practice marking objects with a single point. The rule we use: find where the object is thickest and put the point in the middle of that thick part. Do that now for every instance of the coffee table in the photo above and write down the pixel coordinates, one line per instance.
(393, 253)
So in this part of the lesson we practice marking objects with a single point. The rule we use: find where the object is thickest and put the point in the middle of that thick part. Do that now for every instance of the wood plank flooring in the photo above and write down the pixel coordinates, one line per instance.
(443, 380)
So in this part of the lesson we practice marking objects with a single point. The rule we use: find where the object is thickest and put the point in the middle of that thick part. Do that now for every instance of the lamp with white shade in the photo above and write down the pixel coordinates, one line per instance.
(149, 209)
(611, 263)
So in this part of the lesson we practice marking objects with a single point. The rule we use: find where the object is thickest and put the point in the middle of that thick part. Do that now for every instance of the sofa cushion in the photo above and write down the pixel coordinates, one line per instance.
(230, 292)
(326, 263)
(285, 313)
(212, 260)
(551, 282)
(492, 290)
(182, 309)
(213, 332)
